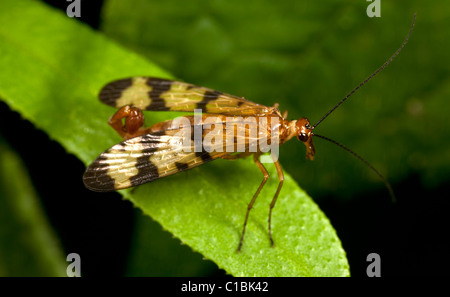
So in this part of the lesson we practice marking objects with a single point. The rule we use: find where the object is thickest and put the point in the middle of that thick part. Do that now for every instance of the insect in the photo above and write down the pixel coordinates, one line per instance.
(166, 148)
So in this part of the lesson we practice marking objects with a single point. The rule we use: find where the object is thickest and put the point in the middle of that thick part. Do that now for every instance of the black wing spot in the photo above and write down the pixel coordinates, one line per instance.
(181, 166)
(159, 86)
(207, 97)
(96, 177)
(204, 155)
(110, 93)
(147, 171)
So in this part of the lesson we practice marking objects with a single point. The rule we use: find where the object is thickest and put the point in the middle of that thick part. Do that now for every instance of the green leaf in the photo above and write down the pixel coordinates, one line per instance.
(52, 70)
(28, 246)
(154, 252)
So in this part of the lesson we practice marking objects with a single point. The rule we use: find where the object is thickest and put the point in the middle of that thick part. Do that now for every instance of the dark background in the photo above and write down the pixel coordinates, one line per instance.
(410, 235)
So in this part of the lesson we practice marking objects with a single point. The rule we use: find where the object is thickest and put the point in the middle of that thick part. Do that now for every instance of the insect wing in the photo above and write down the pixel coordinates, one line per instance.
(158, 94)
(144, 158)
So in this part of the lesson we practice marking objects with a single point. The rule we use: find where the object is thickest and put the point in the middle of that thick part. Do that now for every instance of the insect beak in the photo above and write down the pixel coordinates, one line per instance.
(310, 151)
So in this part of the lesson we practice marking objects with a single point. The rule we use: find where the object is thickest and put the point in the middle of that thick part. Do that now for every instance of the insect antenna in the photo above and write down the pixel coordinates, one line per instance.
(388, 185)
(370, 77)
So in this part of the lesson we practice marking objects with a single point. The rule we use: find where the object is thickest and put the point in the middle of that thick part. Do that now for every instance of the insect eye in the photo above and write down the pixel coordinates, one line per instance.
(307, 126)
(302, 137)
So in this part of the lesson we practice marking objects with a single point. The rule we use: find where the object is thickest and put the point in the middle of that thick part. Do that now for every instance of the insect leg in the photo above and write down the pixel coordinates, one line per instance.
(250, 205)
(272, 204)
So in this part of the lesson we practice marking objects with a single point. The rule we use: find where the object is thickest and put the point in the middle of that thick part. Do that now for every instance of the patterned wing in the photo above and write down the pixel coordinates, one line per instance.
(158, 94)
(145, 158)
(168, 150)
